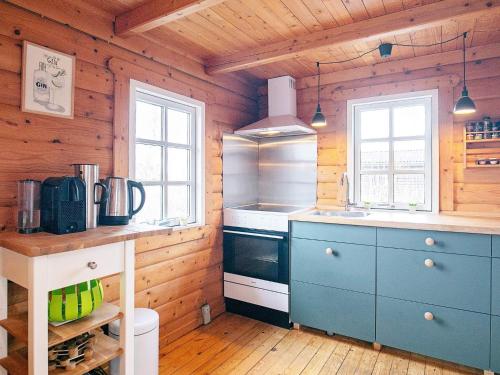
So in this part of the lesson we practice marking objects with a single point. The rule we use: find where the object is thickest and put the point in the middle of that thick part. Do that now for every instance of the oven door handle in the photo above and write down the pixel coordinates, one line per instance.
(254, 234)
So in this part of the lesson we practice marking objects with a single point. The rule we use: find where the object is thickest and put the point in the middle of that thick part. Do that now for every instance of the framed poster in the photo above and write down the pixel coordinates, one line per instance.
(48, 85)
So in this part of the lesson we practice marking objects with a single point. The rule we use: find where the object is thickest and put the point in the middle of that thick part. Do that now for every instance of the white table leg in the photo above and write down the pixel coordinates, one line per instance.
(3, 315)
(127, 292)
(37, 316)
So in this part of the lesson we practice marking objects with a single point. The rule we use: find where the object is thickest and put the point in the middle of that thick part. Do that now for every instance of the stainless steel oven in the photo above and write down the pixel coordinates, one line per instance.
(256, 274)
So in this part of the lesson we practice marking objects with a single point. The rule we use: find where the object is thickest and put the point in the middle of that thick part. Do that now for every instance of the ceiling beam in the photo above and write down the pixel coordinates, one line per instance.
(377, 28)
(155, 13)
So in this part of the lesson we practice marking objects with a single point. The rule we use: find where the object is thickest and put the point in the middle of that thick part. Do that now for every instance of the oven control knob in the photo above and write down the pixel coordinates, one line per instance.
(329, 251)
(429, 316)
(429, 263)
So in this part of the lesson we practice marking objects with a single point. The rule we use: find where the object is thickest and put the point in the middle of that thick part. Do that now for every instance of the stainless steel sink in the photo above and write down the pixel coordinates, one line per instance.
(340, 213)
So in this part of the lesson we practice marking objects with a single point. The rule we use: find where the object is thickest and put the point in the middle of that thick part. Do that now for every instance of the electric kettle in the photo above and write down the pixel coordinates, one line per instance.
(118, 208)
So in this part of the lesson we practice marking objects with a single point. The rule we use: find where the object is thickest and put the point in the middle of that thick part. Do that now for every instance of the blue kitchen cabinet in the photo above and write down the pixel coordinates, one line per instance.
(495, 286)
(449, 334)
(334, 264)
(335, 310)
(445, 242)
(495, 343)
(496, 246)
(449, 280)
(333, 232)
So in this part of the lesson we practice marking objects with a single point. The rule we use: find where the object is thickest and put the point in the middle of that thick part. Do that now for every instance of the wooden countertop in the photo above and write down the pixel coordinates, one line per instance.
(422, 221)
(43, 243)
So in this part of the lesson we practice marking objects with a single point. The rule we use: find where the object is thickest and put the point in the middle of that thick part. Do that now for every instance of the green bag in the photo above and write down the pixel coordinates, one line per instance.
(75, 301)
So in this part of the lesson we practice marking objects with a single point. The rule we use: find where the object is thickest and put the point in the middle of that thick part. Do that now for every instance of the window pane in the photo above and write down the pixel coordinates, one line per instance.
(178, 201)
(375, 124)
(148, 161)
(153, 205)
(178, 164)
(374, 188)
(409, 188)
(148, 121)
(374, 156)
(409, 154)
(409, 121)
(178, 126)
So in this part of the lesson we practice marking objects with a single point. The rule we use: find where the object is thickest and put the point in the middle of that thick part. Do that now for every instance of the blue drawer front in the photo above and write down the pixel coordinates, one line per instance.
(348, 267)
(458, 281)
(330, 309)
(496, 246)
(332, 232)
(495, 287)
(454, 335)
(445, 242)
(495, 343)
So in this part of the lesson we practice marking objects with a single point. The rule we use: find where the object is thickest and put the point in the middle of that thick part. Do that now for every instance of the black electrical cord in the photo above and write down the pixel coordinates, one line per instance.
(464, 35)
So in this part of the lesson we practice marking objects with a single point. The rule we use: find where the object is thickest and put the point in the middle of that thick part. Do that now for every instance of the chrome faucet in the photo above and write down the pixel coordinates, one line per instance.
(344, 183)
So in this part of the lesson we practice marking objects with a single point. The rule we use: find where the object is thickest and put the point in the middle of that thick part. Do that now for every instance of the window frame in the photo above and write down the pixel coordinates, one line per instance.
(140, 91)
(431, 168)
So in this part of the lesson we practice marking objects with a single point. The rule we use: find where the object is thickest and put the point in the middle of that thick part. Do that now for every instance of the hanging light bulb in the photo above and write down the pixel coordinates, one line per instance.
(318, 120)
(465, 104)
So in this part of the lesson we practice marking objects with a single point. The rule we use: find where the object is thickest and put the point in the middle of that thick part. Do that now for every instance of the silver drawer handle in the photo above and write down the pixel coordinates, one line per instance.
(92, 265)
(329, 251)
(429, 241)
(429, 316)
(429, 263)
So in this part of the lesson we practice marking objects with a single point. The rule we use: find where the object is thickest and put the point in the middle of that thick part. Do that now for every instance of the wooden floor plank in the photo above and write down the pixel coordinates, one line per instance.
(302, 360)
(216, 346)
(235, 345)
(269, 336)
(336, 359)
(260, 352)
(176, 359)
(367, 362)
(318, 361)
(229, 351)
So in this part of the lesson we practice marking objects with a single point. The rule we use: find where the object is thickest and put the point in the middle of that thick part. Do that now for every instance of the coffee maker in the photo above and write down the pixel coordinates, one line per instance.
(118, 208)
(63, 205)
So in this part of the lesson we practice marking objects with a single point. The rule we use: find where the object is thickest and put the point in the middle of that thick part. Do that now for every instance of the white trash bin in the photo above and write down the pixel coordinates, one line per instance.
(146, 331)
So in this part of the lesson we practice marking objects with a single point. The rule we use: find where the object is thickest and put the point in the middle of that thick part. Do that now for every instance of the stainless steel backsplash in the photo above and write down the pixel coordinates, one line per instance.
(281, 170)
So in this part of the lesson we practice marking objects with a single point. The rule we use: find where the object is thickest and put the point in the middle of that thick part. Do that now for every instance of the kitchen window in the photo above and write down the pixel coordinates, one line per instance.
(166, 155)
(393, 151)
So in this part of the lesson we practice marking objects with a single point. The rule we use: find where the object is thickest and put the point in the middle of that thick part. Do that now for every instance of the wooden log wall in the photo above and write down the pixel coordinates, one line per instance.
(461, 191)
(177, 273)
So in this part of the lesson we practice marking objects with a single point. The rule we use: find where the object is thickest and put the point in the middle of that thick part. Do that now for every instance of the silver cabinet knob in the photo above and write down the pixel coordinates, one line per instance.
(429, 263)
(429, 316)
(429, 241)
(92, 265)
(329, 251)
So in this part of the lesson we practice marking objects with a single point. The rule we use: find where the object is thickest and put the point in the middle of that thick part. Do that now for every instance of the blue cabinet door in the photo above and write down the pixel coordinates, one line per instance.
(453, 280)
(335, 232)
(348, 266)
(495, 343)
(445, 242)
(344, 312)
(496, 246)
(453, 335)
(495, 287)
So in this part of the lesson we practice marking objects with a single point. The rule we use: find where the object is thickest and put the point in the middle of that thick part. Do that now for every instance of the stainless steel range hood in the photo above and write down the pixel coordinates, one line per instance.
(282, 108)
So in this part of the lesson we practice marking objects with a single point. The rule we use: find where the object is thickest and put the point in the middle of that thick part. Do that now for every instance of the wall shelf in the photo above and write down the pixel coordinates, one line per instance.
(480, 149)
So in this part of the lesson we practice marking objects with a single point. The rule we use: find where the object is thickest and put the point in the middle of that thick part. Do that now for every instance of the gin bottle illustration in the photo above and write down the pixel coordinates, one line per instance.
(41, 92)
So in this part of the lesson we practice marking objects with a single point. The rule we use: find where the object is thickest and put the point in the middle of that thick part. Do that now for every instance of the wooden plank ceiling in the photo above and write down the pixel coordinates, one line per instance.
(233, 26)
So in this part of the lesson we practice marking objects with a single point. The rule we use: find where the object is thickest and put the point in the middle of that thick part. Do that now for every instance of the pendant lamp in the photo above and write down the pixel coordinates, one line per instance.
(465, 104)
(318, 120)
